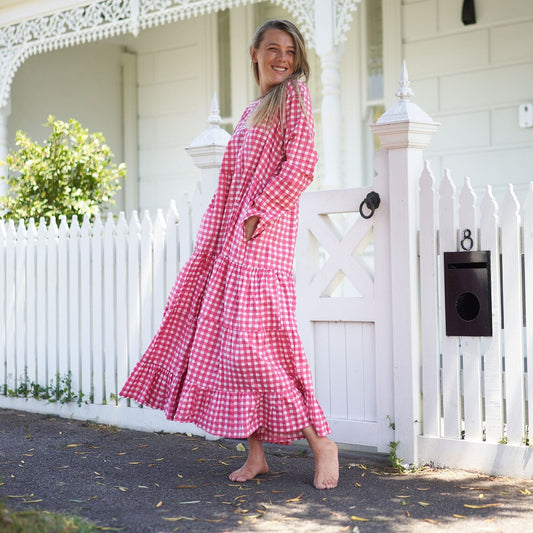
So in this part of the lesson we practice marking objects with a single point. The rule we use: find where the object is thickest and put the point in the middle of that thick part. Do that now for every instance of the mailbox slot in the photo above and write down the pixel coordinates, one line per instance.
(467, 295)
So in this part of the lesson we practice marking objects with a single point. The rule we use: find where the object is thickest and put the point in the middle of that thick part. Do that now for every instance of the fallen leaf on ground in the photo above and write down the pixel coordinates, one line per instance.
(176, 518)
(123, 489)
(159, 504)
(525, 491)
(73, 445)
(297, 499)
(186, 486)
(186, 503)
(425, 504)
(430, 521)
(459, 516)
(359, 519)
(484, 506)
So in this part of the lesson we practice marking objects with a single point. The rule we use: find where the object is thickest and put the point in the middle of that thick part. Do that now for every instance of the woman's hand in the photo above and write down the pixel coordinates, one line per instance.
(249, 226)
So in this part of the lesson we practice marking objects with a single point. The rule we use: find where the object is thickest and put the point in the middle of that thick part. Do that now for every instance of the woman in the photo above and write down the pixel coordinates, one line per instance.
(227, 356)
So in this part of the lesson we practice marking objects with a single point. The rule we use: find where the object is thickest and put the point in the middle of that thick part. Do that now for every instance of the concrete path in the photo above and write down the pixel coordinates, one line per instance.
(149, 482)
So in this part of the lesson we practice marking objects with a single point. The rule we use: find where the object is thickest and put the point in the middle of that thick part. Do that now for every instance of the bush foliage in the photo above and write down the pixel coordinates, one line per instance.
(71, 173)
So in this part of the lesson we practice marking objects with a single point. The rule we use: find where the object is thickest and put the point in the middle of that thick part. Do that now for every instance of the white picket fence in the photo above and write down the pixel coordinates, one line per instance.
(475, 389)
(85, 300)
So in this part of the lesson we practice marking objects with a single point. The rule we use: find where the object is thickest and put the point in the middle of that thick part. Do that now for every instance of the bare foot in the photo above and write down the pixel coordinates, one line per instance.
(249, 470)
(326, 456)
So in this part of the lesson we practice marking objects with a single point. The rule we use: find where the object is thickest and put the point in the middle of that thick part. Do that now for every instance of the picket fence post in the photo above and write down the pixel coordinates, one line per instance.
(207, 151)
(405, 130)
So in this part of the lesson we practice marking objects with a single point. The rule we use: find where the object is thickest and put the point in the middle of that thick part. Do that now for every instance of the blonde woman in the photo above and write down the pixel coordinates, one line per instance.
(228, 356)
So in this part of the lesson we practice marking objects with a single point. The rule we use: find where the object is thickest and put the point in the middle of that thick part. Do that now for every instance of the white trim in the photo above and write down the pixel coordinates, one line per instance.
(495, 459)
(136, 418)
(98, 20)
(130, 130)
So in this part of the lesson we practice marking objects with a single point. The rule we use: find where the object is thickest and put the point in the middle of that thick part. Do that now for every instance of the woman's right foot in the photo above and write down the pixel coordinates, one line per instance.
(249, 470)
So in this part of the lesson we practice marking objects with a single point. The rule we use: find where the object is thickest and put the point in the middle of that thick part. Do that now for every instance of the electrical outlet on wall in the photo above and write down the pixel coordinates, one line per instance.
(525, 115)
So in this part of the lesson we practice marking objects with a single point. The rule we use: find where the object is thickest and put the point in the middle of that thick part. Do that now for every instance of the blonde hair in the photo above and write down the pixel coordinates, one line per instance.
(273, 102)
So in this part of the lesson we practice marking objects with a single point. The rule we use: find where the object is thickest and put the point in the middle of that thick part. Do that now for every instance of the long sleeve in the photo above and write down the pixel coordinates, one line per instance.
(296, 171)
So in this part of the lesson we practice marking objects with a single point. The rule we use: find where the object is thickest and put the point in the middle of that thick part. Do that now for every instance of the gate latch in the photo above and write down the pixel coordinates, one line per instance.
(371, 201)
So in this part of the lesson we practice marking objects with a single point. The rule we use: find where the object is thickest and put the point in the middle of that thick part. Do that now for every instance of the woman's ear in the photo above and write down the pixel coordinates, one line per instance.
(253, 54)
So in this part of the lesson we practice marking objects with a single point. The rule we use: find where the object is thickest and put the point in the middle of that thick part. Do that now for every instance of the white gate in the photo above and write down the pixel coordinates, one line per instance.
(343, 308)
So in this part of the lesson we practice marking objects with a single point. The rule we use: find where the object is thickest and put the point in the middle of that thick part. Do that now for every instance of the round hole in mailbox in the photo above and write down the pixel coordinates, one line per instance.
(467, 306)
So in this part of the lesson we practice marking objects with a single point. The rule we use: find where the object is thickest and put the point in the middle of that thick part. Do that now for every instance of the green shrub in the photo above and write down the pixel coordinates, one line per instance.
(71, 173)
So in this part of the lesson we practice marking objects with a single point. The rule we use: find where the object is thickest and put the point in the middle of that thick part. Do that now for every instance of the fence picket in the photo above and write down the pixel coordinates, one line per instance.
(146, 280)
(492, 358)
(74, 304)
(30, 304)
(62, 299)
(451, 402)
(51, 298)
(20, 304)
(471, 375)
(158, 275)
(185, 230)
(121, 303)
(134, 299)
(512, 313)
(97, 314)
(85, 310)
(3, 361)
(171, 242)
(41, 311)
(528, 293)
(429, 302)
(109, 309)
(11, 369)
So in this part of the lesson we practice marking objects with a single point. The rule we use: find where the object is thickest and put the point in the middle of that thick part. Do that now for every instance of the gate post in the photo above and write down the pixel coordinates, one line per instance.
(404, 130)
(207, 151)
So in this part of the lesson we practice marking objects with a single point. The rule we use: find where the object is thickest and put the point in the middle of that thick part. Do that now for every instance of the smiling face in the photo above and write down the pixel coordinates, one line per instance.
(274, 58)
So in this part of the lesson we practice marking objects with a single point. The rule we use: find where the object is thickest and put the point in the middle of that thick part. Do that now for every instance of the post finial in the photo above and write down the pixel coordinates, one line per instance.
(404, 91)
(214, 118)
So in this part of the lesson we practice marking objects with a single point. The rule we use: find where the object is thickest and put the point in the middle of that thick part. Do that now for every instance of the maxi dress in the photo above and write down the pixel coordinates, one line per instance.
(227, 356)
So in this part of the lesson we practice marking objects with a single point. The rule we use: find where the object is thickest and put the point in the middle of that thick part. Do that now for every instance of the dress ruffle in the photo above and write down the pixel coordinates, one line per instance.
(252, 376)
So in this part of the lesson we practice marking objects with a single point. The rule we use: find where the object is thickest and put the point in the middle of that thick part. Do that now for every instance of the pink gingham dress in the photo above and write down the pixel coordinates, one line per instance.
(227, 356)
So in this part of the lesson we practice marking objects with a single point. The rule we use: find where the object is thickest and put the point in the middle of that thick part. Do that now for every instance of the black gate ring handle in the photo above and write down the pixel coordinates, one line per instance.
(371, 201)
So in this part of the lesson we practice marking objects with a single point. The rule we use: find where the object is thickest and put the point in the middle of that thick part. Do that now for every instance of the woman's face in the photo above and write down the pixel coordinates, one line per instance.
(274, 58)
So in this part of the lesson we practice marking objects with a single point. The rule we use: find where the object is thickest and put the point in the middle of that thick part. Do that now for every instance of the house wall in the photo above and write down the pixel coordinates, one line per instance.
(176, 79)
(472, 79)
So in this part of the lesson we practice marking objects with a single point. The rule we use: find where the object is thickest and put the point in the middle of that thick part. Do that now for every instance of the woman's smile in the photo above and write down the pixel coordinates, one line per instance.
(274, 58)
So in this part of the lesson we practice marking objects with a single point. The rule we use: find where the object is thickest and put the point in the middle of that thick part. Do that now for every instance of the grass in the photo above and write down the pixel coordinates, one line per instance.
(35, 521)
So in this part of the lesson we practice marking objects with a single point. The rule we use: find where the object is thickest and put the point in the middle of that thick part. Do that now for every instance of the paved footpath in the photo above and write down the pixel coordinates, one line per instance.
(134, 481)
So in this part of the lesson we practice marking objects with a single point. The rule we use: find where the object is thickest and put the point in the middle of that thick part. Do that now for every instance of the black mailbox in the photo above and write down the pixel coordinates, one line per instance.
(467, 294)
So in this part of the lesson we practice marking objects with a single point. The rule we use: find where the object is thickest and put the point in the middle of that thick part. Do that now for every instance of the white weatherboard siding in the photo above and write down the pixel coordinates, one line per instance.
(472, 79)
(175, 86)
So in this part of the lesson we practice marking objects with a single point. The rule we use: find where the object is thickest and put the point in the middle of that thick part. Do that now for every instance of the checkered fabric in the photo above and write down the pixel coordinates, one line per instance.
(228, 356)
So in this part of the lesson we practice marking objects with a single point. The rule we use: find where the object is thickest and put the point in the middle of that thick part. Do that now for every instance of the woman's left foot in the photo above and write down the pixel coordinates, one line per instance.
(326, 456)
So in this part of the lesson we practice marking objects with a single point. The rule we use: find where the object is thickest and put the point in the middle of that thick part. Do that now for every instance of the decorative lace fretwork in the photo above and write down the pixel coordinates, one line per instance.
(106, 18)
